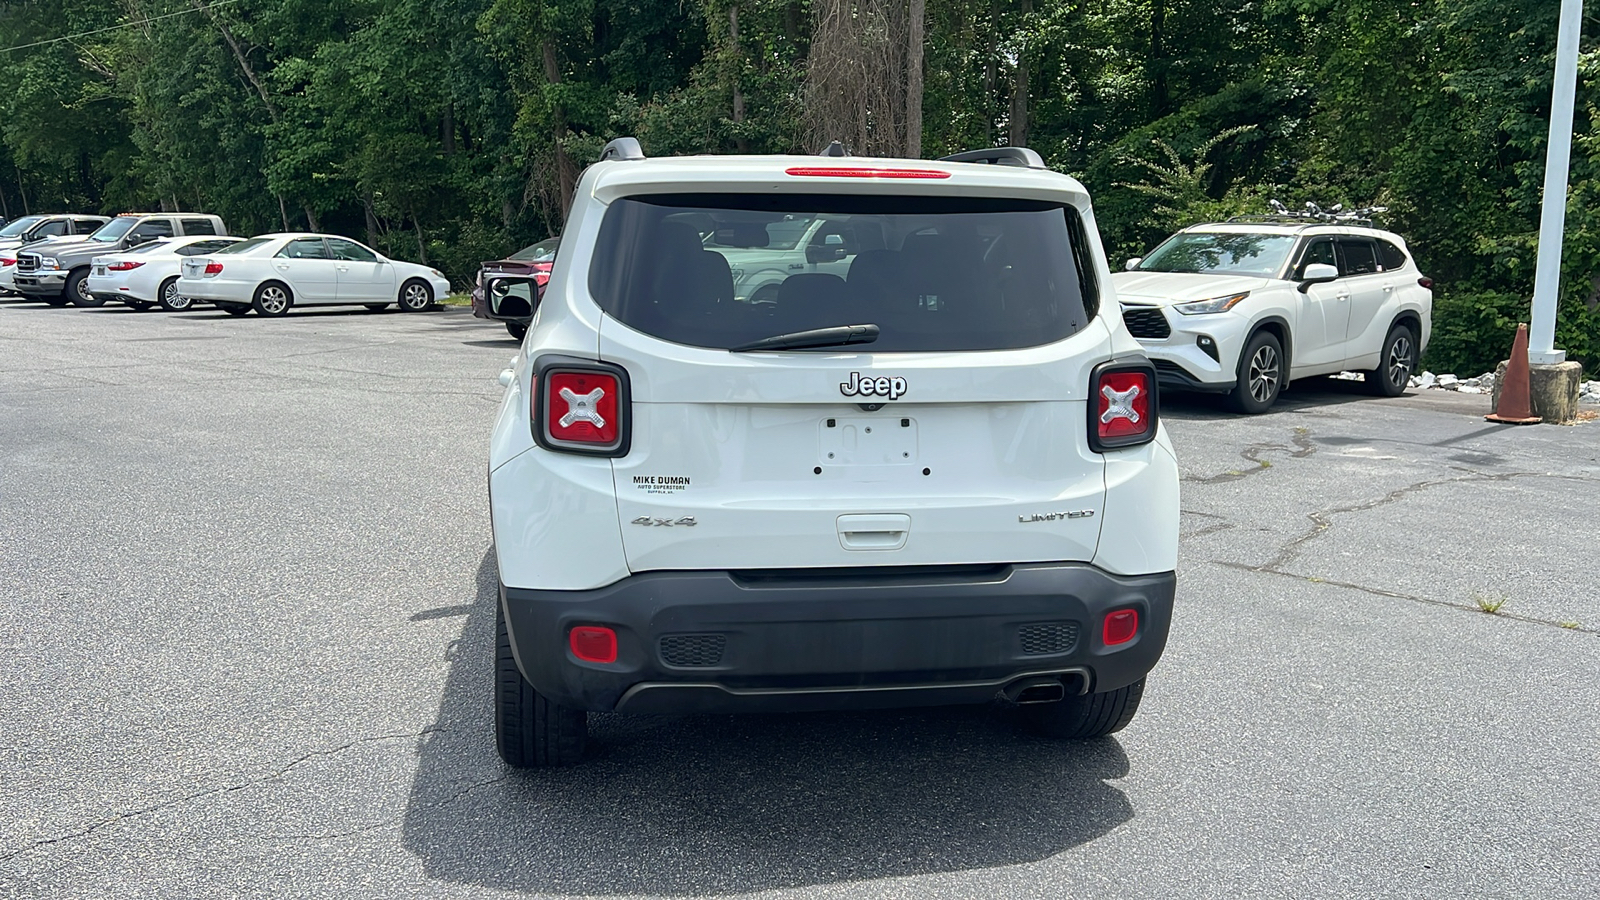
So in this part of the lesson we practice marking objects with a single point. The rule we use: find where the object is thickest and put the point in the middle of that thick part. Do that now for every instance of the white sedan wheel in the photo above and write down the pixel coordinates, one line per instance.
(415, 296)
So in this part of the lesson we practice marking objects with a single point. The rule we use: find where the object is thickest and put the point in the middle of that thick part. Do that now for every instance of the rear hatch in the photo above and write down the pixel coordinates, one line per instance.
(957, 436)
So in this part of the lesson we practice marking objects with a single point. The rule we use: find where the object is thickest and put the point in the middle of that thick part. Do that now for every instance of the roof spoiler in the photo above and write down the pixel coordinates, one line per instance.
(1020, 157)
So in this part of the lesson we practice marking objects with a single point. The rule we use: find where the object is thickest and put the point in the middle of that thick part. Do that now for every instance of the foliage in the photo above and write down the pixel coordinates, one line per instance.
(453, 130)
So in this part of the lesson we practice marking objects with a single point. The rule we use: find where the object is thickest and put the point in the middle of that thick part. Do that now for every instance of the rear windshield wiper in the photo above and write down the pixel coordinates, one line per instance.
(816, 337)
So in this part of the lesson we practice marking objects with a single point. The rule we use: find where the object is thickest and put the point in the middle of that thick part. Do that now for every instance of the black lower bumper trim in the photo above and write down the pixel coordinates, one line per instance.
(841, 638)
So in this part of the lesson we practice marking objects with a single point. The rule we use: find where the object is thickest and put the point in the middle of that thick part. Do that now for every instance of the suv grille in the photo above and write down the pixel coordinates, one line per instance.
(1146, 322)
(27, 262)
(692, 651)
(1048, 637)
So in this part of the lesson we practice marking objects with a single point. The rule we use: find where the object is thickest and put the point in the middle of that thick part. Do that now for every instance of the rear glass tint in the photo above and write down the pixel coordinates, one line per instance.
(933, 273)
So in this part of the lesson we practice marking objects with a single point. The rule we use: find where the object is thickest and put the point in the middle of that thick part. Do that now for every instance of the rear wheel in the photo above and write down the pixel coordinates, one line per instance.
(272, 299)
(1396, 362)
(1089, 715)
(415, 296)
(530, 731)
(170, 299)
(233, 309)
(517, 330)
(1261, 373)
(78, 290)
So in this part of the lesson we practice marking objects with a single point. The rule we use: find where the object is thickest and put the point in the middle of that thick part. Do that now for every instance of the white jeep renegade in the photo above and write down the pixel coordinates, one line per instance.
(934, 476)
(1246, 306)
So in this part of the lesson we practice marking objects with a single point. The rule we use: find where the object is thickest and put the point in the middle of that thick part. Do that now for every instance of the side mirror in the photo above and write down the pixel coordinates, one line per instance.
(511, 298)
(1317, 273)
(1132, 264)
(824, 253)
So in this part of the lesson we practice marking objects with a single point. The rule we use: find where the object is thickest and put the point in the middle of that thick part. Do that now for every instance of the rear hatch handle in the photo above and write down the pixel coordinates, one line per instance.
(874, 532)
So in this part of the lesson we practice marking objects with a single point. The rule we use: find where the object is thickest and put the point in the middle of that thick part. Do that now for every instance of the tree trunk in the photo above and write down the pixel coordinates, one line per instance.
(566, 173)
(739, 142)
(244, 62)
(311, 218)
(1017, 135)
(916, 32)
(372, 220)
(1159, 100)
(283, 211)
(422, 244)
(990, 78)
(448, 127)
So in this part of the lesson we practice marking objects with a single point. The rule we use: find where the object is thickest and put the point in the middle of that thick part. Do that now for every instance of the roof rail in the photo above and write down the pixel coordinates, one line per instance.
(1021, 157)
(833, 149)
(623, 148)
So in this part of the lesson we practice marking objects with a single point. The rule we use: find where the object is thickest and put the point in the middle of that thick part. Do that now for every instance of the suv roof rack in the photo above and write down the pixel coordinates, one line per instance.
(623, 148)
(1021, 157)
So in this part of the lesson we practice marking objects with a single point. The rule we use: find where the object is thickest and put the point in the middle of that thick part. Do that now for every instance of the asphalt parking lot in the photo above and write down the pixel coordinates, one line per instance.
(246, 608)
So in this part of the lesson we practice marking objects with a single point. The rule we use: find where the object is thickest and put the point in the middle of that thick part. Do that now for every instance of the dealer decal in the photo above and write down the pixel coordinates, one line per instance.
(661, 484)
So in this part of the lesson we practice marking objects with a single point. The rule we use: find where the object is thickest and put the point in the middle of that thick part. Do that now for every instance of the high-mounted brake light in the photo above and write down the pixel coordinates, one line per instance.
(1123, 406)
(126, 266)
(863, 172)
(213, 268)
(581, 406)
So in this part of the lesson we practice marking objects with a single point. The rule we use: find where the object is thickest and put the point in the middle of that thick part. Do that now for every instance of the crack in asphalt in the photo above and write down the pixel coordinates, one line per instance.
(1322, 521)
(220, 789)
(1303, 447)
(393, 820)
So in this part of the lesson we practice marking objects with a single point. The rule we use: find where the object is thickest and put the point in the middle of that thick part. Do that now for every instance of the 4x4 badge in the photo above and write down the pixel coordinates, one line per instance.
(668, 522)
(882, 386)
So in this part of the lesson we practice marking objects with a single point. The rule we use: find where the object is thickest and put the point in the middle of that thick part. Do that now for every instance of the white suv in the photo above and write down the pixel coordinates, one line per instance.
(939, 477)
(1246, 306)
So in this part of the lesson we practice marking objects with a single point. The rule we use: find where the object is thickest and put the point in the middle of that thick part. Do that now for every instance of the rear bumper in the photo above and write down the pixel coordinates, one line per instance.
(837, 638)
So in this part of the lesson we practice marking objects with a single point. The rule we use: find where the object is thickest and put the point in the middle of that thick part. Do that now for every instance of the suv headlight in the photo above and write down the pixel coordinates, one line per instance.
(48, 262)
(1214, 305)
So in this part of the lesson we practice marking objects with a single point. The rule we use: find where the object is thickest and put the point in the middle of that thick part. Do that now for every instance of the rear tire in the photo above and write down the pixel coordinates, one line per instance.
(530, 731)
(273, 298)
(78, 290)
(1396, 362)
(170, 299)
(1088, 715)
(415, 296)
(1260, 376)
(233, 309)
(517, 330)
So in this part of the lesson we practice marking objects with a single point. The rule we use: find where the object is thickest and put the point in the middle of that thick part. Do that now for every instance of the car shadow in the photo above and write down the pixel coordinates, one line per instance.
(1307, 393)
(680, 805)
(506, 342)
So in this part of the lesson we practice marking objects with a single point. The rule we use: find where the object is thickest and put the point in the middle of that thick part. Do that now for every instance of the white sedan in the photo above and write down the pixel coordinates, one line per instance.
(275, 272)
(148, 275)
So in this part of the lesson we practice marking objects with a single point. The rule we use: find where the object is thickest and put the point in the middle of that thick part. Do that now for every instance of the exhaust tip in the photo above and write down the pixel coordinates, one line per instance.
(1035, 690)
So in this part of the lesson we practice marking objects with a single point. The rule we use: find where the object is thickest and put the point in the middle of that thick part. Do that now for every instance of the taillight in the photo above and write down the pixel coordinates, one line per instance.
(213, 268)
(1426, 282)
(593, 643)
(124, 266)
(1123, 406)
(7, 261)
(863, 172)
(1120, 627)
(581, 406)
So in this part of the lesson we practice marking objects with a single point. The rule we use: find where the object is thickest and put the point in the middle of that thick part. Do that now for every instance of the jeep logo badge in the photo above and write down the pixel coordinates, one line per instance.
(882, 386)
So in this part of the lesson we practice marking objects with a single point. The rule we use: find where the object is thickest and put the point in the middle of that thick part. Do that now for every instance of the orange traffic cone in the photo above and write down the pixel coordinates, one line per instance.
(1516, 398)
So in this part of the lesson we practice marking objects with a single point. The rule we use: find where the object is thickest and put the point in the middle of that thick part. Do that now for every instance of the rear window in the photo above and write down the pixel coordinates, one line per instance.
(933, 273)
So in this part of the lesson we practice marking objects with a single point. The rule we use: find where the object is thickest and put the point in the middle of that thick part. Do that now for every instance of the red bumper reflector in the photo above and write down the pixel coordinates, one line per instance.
(593, 643)
(863, 172)
(1120, 627)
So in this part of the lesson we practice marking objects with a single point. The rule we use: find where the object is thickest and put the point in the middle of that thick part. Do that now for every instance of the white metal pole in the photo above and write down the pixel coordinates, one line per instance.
(1552, 219)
